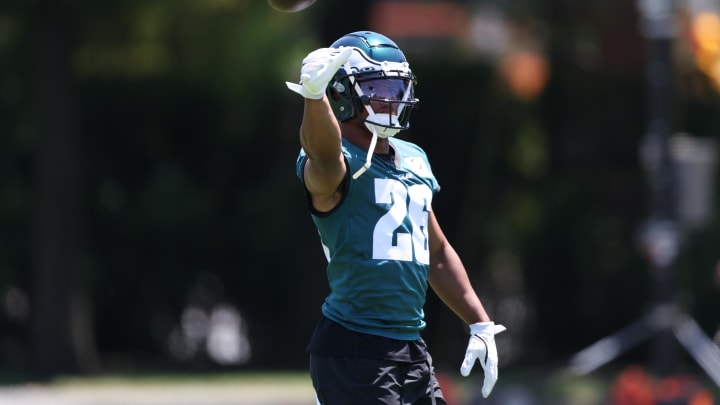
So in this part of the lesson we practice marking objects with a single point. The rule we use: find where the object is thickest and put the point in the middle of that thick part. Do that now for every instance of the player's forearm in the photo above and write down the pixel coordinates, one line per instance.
(450, 282)
(320, 132)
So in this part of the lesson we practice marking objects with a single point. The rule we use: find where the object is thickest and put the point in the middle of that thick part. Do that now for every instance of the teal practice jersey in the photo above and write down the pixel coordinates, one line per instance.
(376, 242)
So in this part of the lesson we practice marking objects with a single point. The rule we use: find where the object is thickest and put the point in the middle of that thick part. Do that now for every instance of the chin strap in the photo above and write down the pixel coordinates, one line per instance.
(368, 159)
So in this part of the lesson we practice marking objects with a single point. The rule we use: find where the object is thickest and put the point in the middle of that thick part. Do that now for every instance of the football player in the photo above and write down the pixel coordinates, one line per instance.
(370, 197)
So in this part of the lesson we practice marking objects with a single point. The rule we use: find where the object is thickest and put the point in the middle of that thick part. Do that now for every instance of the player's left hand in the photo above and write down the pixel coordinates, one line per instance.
(481, 347)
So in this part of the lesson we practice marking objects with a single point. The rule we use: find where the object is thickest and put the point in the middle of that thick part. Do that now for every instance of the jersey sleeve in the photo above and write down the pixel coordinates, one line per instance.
(302, 158)
(415, 159)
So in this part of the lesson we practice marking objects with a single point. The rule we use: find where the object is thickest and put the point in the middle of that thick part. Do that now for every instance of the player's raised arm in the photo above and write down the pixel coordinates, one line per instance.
(320, 134)
(321, 140)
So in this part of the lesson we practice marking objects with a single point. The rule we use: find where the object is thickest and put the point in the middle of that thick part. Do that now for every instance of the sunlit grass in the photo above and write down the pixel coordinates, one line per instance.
(282, 378)
(251, 388)
(536, 386)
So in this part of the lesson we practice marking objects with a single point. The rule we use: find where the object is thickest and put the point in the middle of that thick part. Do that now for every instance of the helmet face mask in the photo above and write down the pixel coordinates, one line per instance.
(388, 102)
(377, 79)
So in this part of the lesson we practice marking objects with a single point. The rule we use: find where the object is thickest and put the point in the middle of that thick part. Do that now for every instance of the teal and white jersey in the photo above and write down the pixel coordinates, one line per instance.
(376, 242)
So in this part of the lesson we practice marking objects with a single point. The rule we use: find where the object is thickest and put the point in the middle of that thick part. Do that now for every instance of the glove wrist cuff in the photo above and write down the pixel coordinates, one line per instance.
(301, 90)
(486, 328)
(480, 327)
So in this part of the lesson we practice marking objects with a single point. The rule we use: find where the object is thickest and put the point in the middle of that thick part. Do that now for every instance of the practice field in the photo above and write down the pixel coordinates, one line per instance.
(255, 389)
(283, 388)
(535, 387)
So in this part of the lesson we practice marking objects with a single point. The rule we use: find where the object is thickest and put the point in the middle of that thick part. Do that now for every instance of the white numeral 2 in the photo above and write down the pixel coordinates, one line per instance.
(413, 209)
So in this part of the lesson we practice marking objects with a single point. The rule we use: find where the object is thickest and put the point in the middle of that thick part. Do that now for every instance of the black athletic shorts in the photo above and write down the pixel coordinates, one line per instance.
(351, 368)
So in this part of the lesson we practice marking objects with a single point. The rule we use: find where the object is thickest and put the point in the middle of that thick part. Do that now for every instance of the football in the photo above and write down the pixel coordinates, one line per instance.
(290, 6)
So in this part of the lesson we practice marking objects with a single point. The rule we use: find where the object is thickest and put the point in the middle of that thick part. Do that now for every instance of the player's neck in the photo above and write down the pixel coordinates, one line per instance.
(361, 136)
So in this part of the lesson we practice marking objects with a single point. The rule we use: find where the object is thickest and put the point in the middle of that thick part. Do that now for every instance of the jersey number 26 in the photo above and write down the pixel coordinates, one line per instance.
(406, 204)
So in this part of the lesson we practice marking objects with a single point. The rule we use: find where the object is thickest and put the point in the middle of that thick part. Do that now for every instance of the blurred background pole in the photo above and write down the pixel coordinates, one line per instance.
(62, 336)
(661, 237)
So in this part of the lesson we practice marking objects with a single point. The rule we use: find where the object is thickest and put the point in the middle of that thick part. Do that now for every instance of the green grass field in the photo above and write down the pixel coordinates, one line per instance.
(221, 389)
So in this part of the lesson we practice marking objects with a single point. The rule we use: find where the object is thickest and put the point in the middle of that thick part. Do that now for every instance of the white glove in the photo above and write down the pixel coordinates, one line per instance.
(482, 347)
(317, 69)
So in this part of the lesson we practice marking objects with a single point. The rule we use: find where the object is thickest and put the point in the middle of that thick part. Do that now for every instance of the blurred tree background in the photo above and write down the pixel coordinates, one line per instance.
(150, 218)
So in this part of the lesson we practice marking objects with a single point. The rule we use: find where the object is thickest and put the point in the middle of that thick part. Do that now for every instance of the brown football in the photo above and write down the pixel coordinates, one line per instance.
(290, 6)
